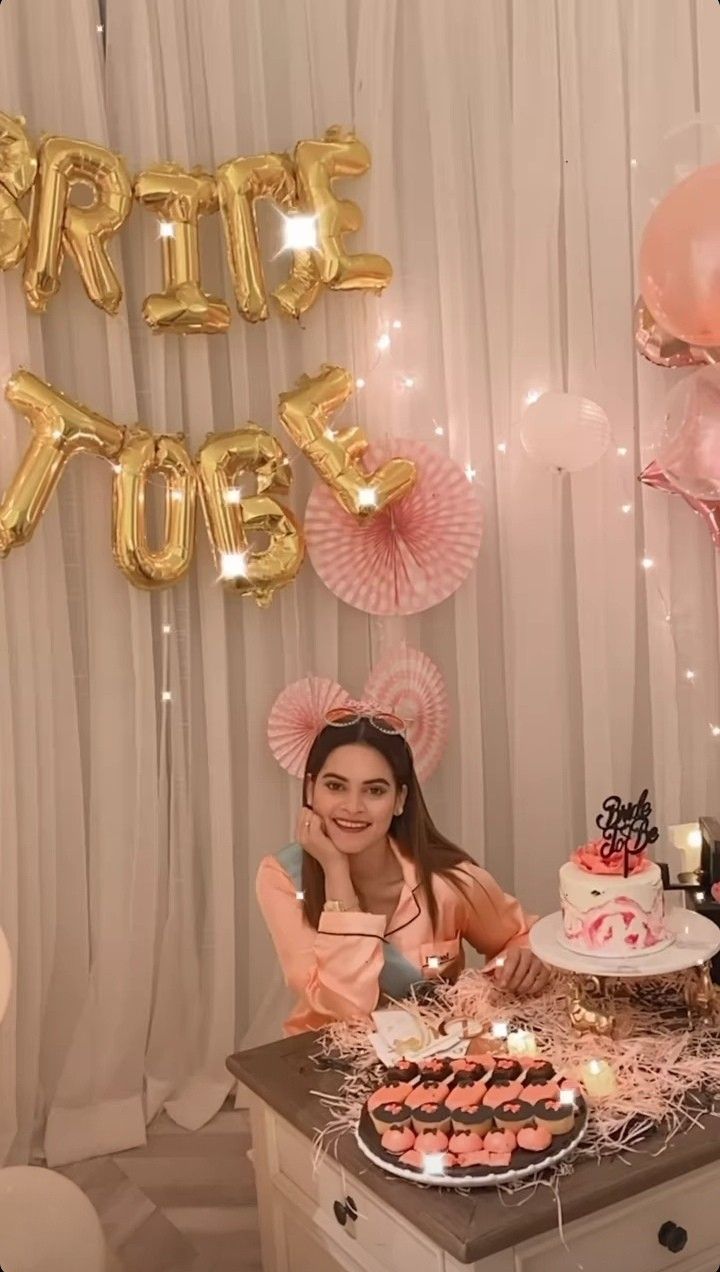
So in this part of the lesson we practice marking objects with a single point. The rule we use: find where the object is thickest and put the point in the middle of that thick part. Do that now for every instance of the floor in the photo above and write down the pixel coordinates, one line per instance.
(183, 1203)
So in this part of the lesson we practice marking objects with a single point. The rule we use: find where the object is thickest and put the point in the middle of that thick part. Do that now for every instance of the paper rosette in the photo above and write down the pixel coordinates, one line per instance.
(297, 717)
(409, 684)
(410, 556)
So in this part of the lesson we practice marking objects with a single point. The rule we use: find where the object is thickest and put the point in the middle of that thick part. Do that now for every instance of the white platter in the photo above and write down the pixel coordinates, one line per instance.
(695, 941)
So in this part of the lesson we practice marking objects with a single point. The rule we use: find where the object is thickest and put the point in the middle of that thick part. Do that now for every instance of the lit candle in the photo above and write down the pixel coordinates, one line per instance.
(499, 1029)
(522, 1043)
(598, 1078)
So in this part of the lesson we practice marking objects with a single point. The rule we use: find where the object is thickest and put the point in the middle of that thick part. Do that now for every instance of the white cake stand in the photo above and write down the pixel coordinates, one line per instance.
(695, 941)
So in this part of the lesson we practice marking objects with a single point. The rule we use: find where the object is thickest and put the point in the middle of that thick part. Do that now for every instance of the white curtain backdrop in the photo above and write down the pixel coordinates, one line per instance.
(503, 138)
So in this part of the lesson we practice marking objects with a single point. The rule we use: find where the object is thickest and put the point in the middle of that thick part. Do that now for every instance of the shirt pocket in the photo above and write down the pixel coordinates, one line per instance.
(438, 954)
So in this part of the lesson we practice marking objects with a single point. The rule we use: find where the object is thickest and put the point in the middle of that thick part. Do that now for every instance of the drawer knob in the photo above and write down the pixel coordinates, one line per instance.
(343, 1210)
(673, 1237)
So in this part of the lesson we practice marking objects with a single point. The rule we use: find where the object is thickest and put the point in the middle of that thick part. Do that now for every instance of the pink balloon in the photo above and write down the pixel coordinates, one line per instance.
(680, 259)
(690, 450)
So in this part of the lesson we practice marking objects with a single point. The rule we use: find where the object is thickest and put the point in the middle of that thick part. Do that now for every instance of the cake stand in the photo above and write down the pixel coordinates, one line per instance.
(594, 981)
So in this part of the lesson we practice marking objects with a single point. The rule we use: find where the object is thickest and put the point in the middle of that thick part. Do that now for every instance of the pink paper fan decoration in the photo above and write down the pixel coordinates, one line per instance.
(409, 684)
(411, 555)
(297, 717)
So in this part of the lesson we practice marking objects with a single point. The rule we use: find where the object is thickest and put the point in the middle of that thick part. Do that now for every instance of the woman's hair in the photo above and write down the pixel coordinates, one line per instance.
(413, 830)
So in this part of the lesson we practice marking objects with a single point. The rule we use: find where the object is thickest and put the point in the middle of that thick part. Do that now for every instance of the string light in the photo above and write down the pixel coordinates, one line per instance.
(166, 629)
(397, 325)
(622, 451)
(434, 1164)
(330, 434)
(689, 674)
(167, 229)
(699, 896)
(367, 498)
(532, 396)
(176, 495)
(166, 695)
(299, 896)
(626, 508)
(233, 565)
(439, 430)
(470, 472)
(499, 1029)
(715, 730)
(502, 447)
(99, 28)
(233, 496)
(384, 342)
(408, 382)
(299, 232)
(567, 1095)
(360, 383)
(647, 563)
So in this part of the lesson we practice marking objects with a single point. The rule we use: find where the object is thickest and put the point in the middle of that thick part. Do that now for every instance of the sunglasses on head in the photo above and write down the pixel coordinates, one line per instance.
(383, 721)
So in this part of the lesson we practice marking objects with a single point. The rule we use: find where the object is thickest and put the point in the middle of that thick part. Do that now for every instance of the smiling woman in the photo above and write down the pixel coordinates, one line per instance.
(372, 899)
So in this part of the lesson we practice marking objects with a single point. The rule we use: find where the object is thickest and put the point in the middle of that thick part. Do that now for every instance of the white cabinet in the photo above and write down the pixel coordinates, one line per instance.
(318, 1219)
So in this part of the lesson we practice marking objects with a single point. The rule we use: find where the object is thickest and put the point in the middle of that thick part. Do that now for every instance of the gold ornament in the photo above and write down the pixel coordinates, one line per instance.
(179, 198)
(306, 412)
(58, 225)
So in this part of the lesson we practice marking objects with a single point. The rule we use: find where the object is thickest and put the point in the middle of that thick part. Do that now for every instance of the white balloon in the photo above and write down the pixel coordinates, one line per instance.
(47, 1224)
(565, 432)
(5, 973)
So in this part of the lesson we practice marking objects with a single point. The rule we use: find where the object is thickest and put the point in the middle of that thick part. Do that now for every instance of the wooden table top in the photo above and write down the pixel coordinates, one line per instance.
(468, 1226)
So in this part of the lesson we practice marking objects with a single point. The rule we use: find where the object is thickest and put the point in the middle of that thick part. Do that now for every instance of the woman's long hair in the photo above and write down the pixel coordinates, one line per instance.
(414, 831)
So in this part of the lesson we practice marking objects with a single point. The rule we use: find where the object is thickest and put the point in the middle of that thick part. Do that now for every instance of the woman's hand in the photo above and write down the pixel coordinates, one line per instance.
(312, 837)
(521, 972)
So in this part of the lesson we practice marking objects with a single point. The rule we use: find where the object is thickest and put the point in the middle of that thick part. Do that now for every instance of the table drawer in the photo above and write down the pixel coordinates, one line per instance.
(627, 1236)
(362, 1222)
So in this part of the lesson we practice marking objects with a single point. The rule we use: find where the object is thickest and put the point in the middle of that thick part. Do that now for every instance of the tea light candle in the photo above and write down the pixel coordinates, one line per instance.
(522, 1043)
(598, 1078)
(499, 1029)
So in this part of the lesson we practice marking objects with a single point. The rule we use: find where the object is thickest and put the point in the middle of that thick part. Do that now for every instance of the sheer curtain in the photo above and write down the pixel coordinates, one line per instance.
(502, 136)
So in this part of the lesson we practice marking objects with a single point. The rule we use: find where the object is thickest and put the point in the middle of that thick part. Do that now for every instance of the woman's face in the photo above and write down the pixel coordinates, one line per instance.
(356, 796)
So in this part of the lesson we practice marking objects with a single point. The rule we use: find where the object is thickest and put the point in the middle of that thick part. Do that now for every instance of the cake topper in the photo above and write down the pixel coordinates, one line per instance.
(626, 828)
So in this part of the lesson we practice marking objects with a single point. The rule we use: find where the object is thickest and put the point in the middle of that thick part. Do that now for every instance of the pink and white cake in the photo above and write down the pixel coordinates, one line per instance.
(607, 914)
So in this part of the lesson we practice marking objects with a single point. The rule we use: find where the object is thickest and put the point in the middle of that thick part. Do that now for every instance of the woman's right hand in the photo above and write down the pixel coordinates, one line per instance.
(312, 838)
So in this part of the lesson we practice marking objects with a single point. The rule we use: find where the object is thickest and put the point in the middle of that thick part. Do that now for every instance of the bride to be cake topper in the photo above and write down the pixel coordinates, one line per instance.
(626, 828)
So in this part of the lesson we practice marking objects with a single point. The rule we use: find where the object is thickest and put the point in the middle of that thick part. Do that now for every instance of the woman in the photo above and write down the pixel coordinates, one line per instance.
(372, 898)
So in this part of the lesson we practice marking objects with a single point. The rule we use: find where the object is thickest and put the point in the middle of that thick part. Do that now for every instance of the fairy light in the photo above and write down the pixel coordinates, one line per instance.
(626, 508)
(177, 495)
(233, 565)
(167, 230)
(622, 451)
(360, 383)
(699, 896)
(499, 1029)
(470, 472)
(117, 468)
(439, 430)
(384, 342)
(532, 395)
(397, 325)
(567, 1095)
(434, 1163)
(233, 496)
(408, 382)
(99, 28)
(367, 498)
(715, 730)
(166, 629)
(502, 447)
(690, 674)
(433, 960)
(300, 896)
(166, 695)
(694, 839)
(299, 232)
(647, 563)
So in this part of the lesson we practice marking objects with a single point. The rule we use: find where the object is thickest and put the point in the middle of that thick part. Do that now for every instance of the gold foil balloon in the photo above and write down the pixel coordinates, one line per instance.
(307, 411)
(179, 198)
(231, 517)
(317, 165)
(18, 167)
(61, 428)
(143, 455)
(241, 183)
(58, 225)
(662, 349)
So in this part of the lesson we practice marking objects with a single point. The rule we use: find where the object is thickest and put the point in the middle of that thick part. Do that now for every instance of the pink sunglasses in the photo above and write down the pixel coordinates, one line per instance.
(383, 721)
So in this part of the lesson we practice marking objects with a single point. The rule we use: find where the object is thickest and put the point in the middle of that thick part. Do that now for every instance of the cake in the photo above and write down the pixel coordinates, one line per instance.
(611, 893)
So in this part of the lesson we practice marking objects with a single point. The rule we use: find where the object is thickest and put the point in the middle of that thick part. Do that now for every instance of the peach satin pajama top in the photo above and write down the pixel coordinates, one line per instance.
(342, 969)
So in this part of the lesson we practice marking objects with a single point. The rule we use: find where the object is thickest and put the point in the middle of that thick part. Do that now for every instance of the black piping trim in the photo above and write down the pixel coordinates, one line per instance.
(415, 916)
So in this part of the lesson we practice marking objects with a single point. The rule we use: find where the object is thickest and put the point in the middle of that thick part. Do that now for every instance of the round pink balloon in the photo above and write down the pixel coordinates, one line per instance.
(680, 259)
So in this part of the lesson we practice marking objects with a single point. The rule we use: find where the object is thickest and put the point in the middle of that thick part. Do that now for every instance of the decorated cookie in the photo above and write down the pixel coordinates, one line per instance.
(499, 1142)
(473, 1066)
(534, 1139)
(430, 1117)
(506, 1069)
(512, 1115)
(402, 1071)
(476, 1117)
(498, 1095)
(398, 1141)
(436, 1069)
(431, 1142)
(427, 1092)
(465, 1094)
(534, 1092)
(385, 1116)
(463, 1142)
(391, 1093)
(555, 1117)
(539, 1071)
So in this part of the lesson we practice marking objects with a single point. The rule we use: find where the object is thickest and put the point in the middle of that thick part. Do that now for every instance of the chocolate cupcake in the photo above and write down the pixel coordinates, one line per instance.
(403, 1071)
(435, 1069)
(430, 1117)
(506, 1070)
(513, 1115)
(539, 1071)
(475, 1118)
(556, 1117)
(390, 1115)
